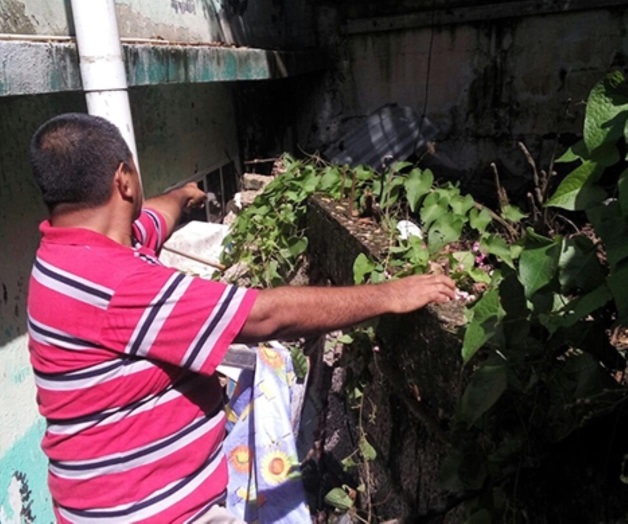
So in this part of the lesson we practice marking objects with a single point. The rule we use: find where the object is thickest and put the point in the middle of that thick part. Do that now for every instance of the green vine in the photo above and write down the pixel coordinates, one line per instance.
(538, 339)
(543, 300)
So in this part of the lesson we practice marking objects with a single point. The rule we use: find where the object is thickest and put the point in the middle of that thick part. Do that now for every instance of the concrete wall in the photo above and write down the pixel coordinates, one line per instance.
(181, 130)
(260, 23)
(486, 84)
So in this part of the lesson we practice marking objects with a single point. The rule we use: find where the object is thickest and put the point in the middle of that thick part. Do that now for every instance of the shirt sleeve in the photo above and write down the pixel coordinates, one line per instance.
(162, 314)
(150, 229)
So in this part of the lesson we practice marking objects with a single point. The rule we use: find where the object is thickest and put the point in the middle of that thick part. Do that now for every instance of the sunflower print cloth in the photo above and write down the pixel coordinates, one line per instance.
(264, 478)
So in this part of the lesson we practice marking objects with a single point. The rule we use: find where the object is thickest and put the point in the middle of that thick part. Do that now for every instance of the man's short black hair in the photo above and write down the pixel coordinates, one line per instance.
(74, 157)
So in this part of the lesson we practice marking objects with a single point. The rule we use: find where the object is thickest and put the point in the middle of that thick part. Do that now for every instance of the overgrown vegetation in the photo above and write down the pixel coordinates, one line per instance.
(550, 286)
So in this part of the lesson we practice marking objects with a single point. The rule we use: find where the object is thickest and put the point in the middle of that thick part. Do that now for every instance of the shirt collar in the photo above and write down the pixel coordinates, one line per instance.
(75, 236)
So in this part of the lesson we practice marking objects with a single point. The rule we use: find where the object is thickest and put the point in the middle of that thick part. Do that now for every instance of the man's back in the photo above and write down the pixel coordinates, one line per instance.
(132, 434)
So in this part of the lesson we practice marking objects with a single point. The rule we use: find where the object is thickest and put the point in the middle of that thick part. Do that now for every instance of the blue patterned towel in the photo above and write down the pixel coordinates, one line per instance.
(264, 478)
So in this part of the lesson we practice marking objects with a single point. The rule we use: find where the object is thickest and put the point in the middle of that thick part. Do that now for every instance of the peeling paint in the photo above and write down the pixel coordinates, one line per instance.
(24, 495)
(14, 18)
(34, 17)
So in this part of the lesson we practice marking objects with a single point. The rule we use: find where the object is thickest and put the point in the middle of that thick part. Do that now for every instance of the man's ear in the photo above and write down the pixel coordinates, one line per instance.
(122, 181)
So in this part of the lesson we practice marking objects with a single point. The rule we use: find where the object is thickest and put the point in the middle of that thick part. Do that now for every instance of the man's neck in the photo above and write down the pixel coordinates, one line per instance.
(103, 220)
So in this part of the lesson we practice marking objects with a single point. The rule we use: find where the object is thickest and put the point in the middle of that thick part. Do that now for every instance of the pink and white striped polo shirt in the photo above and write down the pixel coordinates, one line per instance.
(124, 352)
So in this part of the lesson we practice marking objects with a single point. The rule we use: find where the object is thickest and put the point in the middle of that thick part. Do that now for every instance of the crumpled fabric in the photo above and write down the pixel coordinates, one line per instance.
(265, 484)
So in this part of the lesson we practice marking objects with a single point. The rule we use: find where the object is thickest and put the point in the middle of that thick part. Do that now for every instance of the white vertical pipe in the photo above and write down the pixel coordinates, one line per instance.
(101, 65)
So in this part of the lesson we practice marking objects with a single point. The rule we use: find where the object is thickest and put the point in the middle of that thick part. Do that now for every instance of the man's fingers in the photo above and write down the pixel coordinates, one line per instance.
(442, 279)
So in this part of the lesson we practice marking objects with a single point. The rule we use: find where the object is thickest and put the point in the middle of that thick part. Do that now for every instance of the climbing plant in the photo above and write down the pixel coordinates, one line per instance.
(543, 298)
(538, 339)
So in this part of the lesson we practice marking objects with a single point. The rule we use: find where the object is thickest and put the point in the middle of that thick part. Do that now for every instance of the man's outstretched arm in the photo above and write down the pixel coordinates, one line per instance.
(176, 201)
(292, 312)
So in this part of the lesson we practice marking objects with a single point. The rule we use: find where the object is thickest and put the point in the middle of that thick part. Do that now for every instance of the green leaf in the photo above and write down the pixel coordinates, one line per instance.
(356, 394)
(446, 229)
(294, 196)
(579, 308)
(339, 499)
(513, 213)
(578, 151)
(310, 183)
(345, 339)
(576, 191)
(417, 185)
(363, 173)
(579, 267)
(378, 274)
(465, 259)
(515, 251)
(299, 362)
(479, 220)
(399, 166)
(368, 451)
(480, 276)
(434, 206)
(612, 228)
(605, 119)
(349, 462)
(418, 254)
(392, 191)
(362, 266)
(462, 204)
(331, 178)
(587, 375)
(606, 155)
(271, 274)
(483, 317)
(538, 264)
(485, 388)
(496, 245)
(298, 246)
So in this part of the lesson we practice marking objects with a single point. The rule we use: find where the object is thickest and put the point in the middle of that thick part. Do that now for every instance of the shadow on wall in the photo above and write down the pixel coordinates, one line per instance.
(21, 206)
(267, 24)
(230, 15)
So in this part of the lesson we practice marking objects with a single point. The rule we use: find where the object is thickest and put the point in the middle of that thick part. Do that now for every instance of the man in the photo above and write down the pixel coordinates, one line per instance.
(124, 349)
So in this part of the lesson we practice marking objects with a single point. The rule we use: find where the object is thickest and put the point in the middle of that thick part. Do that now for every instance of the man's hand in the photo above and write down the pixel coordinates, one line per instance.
(195, 197)
(175, 202)
(417, 291)
(292, 312)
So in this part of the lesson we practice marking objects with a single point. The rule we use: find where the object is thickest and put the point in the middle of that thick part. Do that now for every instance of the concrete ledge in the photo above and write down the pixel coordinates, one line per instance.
(28, 68)
(417, 377)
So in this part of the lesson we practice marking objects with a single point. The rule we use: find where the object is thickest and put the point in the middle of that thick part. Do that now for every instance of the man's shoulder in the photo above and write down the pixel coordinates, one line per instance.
(106, 266)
